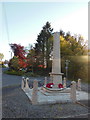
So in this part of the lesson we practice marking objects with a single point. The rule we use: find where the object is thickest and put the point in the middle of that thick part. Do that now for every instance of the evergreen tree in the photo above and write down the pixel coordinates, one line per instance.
(44, 43)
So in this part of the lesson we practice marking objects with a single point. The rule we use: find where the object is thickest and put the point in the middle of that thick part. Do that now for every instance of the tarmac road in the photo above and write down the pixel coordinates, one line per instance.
(9, 80)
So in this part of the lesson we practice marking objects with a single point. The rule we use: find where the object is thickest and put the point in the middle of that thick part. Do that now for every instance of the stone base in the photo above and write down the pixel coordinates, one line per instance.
(51, 98)
(56, 78)
(56, 90)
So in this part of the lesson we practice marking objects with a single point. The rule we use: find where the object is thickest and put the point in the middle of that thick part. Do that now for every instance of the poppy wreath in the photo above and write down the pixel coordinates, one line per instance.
(50, 85)
(60, 85)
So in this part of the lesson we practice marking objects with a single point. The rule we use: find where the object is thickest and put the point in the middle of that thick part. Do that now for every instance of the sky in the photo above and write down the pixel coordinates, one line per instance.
(22, 21)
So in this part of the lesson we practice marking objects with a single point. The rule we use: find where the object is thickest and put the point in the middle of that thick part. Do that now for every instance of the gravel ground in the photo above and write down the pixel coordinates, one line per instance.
(15, 104)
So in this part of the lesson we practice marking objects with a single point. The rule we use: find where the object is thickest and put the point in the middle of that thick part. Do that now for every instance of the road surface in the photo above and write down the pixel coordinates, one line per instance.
(9, 80)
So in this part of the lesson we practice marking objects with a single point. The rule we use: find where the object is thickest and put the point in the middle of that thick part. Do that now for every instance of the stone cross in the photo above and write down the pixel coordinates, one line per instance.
(56, 63)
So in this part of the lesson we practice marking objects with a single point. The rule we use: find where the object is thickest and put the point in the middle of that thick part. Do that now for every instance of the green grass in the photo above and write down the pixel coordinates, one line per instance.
(20, 73)
(13, 72)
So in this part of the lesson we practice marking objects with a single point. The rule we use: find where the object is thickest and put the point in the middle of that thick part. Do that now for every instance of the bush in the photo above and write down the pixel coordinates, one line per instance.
(3, 66)
(13, 72)
(14, 63)
(30, 74)
(20, 73)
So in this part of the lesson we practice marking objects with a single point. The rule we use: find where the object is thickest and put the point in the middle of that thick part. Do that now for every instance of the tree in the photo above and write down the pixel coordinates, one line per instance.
(1, 56)
(71, 46)
(14, 63)
(74, 49)
(19, 60)
(18, 50)
(43, 47)
(31, 58)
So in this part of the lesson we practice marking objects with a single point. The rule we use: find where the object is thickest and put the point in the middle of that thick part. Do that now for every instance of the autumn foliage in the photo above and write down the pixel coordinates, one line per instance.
(18, 50)
(19, 56)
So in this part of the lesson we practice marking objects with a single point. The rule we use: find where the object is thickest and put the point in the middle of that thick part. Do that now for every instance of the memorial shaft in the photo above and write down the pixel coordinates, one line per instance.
(56, 63)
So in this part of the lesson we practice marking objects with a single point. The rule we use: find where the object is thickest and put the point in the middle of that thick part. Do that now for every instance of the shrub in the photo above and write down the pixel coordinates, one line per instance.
(13, 72)
(30, 74)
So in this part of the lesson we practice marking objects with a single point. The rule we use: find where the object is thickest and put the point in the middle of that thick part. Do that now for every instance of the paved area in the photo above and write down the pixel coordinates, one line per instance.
(45, 98)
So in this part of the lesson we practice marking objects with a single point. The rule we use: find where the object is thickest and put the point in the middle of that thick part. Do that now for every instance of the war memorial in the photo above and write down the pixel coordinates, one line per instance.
(56, 91)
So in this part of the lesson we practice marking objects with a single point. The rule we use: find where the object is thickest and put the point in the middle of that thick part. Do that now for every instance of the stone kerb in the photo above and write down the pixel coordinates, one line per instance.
(73, 91)
(35, 92)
